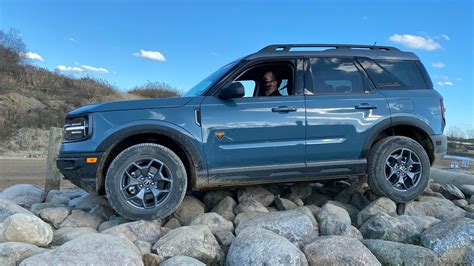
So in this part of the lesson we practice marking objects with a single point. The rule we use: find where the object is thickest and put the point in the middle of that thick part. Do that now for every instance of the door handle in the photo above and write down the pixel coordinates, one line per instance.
(283, 109)
(365, 106)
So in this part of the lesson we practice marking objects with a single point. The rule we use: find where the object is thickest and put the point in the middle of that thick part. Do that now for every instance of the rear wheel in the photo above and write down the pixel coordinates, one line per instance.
(146, 181)
(398, 168)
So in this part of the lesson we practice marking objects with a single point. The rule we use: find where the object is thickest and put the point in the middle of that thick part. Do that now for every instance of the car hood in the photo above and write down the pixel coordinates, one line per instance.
(133, 104)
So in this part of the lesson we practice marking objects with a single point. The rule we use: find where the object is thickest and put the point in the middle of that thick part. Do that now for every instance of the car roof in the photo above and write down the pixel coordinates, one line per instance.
(333, 50)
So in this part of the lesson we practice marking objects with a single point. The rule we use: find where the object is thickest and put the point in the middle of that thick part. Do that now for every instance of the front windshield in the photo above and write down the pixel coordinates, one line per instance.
(206, 83)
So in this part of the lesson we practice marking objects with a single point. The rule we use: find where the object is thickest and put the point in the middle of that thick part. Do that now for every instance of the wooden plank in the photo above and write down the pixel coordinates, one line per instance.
(53, 176)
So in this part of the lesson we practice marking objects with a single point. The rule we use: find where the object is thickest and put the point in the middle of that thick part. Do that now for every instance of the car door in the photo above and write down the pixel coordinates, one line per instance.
(255, 139)
(341, 108)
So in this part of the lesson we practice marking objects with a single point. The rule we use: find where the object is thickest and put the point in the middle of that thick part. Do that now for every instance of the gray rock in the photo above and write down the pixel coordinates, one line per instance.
(241, 217)
(182, 261)
(385, 227)
(189, 208)
(57, 196)
(35, 208)
(79, 218)
(211, 198)
(451, 192)
(423, 222)
(259, 246)
(250, 205)
(393, 253)
(225, 208)
(283, 204)
(460, 203)
(24, 195)
(431, 206)
(295, 199)
(12, 253)
(317, 199)
(381, 205)
(103, 211)
(295, 225)
(108, 224)
(87, 202)
(213, 221)
(471, 200)
(194, 241)
(172, 223)
(469, 208)
(339, 250)
(302, 190)
(314, 209)
(435, 187)
(468, 190)
(359, 200)
(345, 195)
(333, 220)
(27, 228)
(90, 249)
(259, 194)
(54, 216)
(8, 208)
(65, 234)
(350, 209)
(143, 246)
(224, 238)
(451, 240)
(149, 231)
(429, 192)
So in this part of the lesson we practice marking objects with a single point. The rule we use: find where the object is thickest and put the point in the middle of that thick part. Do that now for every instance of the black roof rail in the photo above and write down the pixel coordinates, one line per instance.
(287, 47)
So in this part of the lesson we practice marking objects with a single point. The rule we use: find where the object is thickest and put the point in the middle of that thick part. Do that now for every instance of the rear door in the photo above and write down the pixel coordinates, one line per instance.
(341, 109)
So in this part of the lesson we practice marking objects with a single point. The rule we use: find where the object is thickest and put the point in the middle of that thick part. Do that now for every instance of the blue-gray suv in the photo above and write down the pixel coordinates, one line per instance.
(287, 113)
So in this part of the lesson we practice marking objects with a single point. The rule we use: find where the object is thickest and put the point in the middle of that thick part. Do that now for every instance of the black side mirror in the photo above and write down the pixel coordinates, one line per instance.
(232, 90)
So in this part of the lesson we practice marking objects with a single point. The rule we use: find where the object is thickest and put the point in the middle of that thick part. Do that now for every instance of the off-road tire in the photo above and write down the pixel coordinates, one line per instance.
(113, 178)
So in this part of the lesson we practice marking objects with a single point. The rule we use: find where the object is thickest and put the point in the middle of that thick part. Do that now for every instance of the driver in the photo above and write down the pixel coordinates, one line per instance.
(271, 84)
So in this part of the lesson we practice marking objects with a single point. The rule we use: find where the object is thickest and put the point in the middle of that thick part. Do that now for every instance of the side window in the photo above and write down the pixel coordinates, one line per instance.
(249, 86)
(335, 76)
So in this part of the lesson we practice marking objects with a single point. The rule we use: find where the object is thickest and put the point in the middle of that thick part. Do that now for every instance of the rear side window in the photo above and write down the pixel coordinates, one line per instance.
(395, 74)
(335, 76)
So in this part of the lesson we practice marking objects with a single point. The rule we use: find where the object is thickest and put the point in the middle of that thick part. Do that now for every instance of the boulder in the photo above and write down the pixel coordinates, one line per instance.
(333, 220)
(295, 199)
(65, 234)
(103, 211)
(79, 218)
(224, 238)
(386, 227)
(381, 205)
(451, 240)
(250, 205)
(149, 231)
(451, 192)
(283, 204)
(194, 241)
(469, 208)
(345, 195)
(317, 199)
(258, 193)
(108, 224)
(54, 216)
(350, 209)
(393, 253)
(27, 228)
(423, 222)
(213, 221)
(302, 190)
(35, 208)
(12, 253)
(90, 249)
(172, 223)
(338, 250)
(225, 208)
(182, 261)
(295, 225)
(57, 196)
(259, 246)
(359, 200)
(189, 208)
(143, 246)
(431, 206)
(24, 195)
(468, 190)
(460, 203)
(241, 217)
(211, 198)
(8, 208)
(87, 202)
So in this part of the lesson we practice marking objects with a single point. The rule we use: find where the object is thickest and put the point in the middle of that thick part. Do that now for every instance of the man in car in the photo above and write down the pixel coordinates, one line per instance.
(271, 84)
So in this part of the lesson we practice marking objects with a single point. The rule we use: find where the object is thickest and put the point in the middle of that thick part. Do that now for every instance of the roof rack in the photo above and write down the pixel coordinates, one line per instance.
(287, 47)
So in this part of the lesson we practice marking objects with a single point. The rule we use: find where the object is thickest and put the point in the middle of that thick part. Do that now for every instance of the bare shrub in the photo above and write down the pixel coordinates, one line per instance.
(155, 90)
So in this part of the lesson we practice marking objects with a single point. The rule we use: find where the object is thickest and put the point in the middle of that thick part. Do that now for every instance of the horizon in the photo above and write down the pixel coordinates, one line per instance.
(180, 43)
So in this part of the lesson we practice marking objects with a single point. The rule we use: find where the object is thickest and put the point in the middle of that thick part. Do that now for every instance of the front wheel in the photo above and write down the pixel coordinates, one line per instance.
(398, 168)
(146, 181)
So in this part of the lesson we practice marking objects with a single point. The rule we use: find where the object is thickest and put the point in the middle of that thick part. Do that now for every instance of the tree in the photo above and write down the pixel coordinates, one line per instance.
(11, 49)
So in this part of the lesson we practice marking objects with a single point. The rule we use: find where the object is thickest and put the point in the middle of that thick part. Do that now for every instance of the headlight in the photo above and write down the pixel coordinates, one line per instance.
(77, 128)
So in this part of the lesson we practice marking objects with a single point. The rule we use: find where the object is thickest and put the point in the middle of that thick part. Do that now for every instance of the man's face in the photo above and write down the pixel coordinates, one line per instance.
(270, 82)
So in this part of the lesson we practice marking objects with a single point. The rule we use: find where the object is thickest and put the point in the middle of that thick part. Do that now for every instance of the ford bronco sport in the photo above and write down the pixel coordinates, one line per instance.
(343, 110)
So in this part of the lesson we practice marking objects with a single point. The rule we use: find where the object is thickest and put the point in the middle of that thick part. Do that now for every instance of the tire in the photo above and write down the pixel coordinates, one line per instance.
(134, 198)
(381, 164)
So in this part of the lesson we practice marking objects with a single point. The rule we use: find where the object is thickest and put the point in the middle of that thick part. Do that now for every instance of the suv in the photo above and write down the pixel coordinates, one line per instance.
(341, 111)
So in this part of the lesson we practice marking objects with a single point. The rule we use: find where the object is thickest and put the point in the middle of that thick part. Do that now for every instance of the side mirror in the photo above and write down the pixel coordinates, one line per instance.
(232, 90)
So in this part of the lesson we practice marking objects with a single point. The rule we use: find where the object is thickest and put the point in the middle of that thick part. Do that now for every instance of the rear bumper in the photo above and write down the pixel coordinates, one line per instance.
(75, 169)
(440, 144)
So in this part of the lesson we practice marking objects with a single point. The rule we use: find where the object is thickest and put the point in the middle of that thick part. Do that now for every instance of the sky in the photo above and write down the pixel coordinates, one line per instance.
(128, 43)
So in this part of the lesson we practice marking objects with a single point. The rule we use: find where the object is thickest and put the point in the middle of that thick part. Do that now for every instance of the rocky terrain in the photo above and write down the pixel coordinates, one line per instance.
(339, 223)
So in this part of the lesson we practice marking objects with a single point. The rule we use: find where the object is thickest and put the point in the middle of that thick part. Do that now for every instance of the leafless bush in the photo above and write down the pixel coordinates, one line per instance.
(155, 90)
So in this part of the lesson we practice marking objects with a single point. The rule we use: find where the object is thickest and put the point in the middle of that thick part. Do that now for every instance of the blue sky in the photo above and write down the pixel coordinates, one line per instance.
(125, 42)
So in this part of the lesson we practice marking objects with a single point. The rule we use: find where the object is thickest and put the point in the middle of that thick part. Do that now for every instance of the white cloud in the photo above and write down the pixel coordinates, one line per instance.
(70, 69)
(32, 56)
(438, 64)
(446, 37)
(95, 69)
(71, 39)
(415, 41)
(153, 55)
(445, 83)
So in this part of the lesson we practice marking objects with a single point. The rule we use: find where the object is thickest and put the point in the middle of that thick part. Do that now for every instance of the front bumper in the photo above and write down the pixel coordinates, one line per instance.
(75, 169)
(440, 145)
